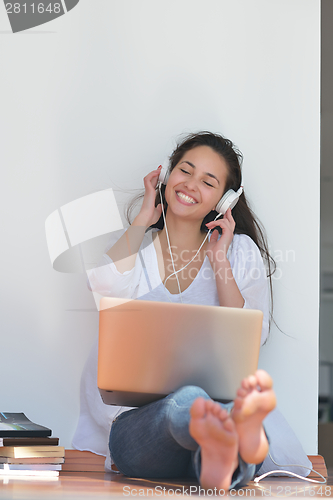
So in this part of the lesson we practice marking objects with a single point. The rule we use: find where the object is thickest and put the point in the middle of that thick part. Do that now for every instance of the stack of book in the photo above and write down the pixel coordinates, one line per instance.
(26, 448)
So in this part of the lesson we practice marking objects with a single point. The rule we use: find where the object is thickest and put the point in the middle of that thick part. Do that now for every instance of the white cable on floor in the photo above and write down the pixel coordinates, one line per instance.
(257, 479)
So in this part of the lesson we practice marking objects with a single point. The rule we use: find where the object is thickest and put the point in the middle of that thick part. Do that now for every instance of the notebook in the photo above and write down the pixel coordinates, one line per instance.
(149, 349)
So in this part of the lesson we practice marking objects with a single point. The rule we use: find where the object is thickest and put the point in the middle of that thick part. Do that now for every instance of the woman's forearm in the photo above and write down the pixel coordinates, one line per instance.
(124, 251)
(228, 292)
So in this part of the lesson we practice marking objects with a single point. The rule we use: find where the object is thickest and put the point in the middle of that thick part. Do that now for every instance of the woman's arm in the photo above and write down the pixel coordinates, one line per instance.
(242, 279)
(124, 252)
(217, 249)
(227, 288)
(118, 273)
(250, 274)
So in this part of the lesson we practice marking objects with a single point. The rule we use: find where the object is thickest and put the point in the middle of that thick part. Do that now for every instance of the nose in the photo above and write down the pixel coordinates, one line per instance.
(191, 183)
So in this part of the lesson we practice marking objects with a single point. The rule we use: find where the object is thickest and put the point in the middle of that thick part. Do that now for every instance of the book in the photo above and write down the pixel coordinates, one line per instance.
(40, 474)
(18, 425)
(29, 441)
(34, 460)
(31, 467)
(32, 451)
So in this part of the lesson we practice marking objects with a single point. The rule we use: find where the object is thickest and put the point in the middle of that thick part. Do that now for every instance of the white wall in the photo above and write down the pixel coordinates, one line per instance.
(95, 99)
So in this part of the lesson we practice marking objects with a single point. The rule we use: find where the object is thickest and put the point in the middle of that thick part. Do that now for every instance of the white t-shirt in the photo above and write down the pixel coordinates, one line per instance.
(144, 282)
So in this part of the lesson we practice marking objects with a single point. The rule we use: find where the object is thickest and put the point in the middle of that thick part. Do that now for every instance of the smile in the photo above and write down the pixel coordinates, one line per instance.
(185, 198)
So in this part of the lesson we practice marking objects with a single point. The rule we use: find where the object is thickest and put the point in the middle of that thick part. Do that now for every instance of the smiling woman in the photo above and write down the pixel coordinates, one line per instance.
(194, 188)
(203, 167)
(186, 433)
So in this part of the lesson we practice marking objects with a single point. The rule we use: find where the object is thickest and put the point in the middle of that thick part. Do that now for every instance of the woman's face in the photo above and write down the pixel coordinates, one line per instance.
(197, 183)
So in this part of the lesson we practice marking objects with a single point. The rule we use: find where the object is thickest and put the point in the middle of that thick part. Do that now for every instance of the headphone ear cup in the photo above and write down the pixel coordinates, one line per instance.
(228, 200)
(164, 173)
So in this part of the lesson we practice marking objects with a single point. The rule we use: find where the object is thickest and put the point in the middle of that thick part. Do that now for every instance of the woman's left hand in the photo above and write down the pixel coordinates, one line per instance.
(217, 248)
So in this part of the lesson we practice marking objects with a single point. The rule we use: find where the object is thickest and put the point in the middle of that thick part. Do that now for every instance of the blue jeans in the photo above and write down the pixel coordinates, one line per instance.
(153, 441)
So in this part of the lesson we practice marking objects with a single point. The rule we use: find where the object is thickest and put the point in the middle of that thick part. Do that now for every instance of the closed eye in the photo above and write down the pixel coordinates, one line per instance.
(189, 173)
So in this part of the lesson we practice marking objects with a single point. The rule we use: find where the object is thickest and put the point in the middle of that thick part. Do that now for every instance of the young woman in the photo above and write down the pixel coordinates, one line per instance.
(168, 257)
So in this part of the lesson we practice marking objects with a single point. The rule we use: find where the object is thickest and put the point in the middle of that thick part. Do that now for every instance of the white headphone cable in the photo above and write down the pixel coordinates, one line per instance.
(168, 240)
(257, 479)
(175, 272)
(167, 235)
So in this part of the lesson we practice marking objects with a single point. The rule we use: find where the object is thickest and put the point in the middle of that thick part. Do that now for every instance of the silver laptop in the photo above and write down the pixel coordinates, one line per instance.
(149, 349)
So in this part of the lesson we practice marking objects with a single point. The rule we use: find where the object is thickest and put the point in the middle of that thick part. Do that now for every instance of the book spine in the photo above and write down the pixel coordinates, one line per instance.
(19, 473)
(29, 441)
(32, 451)
(34, 460)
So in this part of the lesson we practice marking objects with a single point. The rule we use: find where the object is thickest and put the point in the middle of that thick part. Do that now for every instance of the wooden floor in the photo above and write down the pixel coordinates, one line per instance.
(84, 477)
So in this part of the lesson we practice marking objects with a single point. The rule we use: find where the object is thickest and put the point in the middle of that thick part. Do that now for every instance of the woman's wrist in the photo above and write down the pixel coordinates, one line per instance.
(141, 220)
(228, 292)
(222, 269)
(218, 259)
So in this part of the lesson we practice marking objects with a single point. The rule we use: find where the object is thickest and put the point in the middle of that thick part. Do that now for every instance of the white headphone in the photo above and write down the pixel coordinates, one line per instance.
(228, 200)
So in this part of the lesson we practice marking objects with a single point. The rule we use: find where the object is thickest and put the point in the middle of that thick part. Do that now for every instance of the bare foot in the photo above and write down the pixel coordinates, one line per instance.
(214, 430)
(255, 399)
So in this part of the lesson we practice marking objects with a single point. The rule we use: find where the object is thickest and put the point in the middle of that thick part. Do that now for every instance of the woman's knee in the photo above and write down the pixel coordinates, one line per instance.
(188, 394)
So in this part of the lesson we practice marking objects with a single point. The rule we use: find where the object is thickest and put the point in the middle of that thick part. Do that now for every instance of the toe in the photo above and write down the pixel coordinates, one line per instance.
(209, 403)
(198, 408)
(241, 392)
(223, 414)
(216, 409)
(245, 384)
(252, 381)
(229, 425)
(264, 380)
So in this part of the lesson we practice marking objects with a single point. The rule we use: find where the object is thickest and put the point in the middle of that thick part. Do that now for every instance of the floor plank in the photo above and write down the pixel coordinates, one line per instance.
(84, 477)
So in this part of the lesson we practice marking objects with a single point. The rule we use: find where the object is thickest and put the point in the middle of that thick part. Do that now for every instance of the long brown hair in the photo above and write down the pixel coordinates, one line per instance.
(246, 221)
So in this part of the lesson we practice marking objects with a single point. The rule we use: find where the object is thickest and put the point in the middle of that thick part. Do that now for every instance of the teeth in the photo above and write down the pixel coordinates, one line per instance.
(186, 198)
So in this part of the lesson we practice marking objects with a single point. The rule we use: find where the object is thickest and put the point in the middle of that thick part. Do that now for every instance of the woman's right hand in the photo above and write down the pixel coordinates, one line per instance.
(123, 253)
(149, 214)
